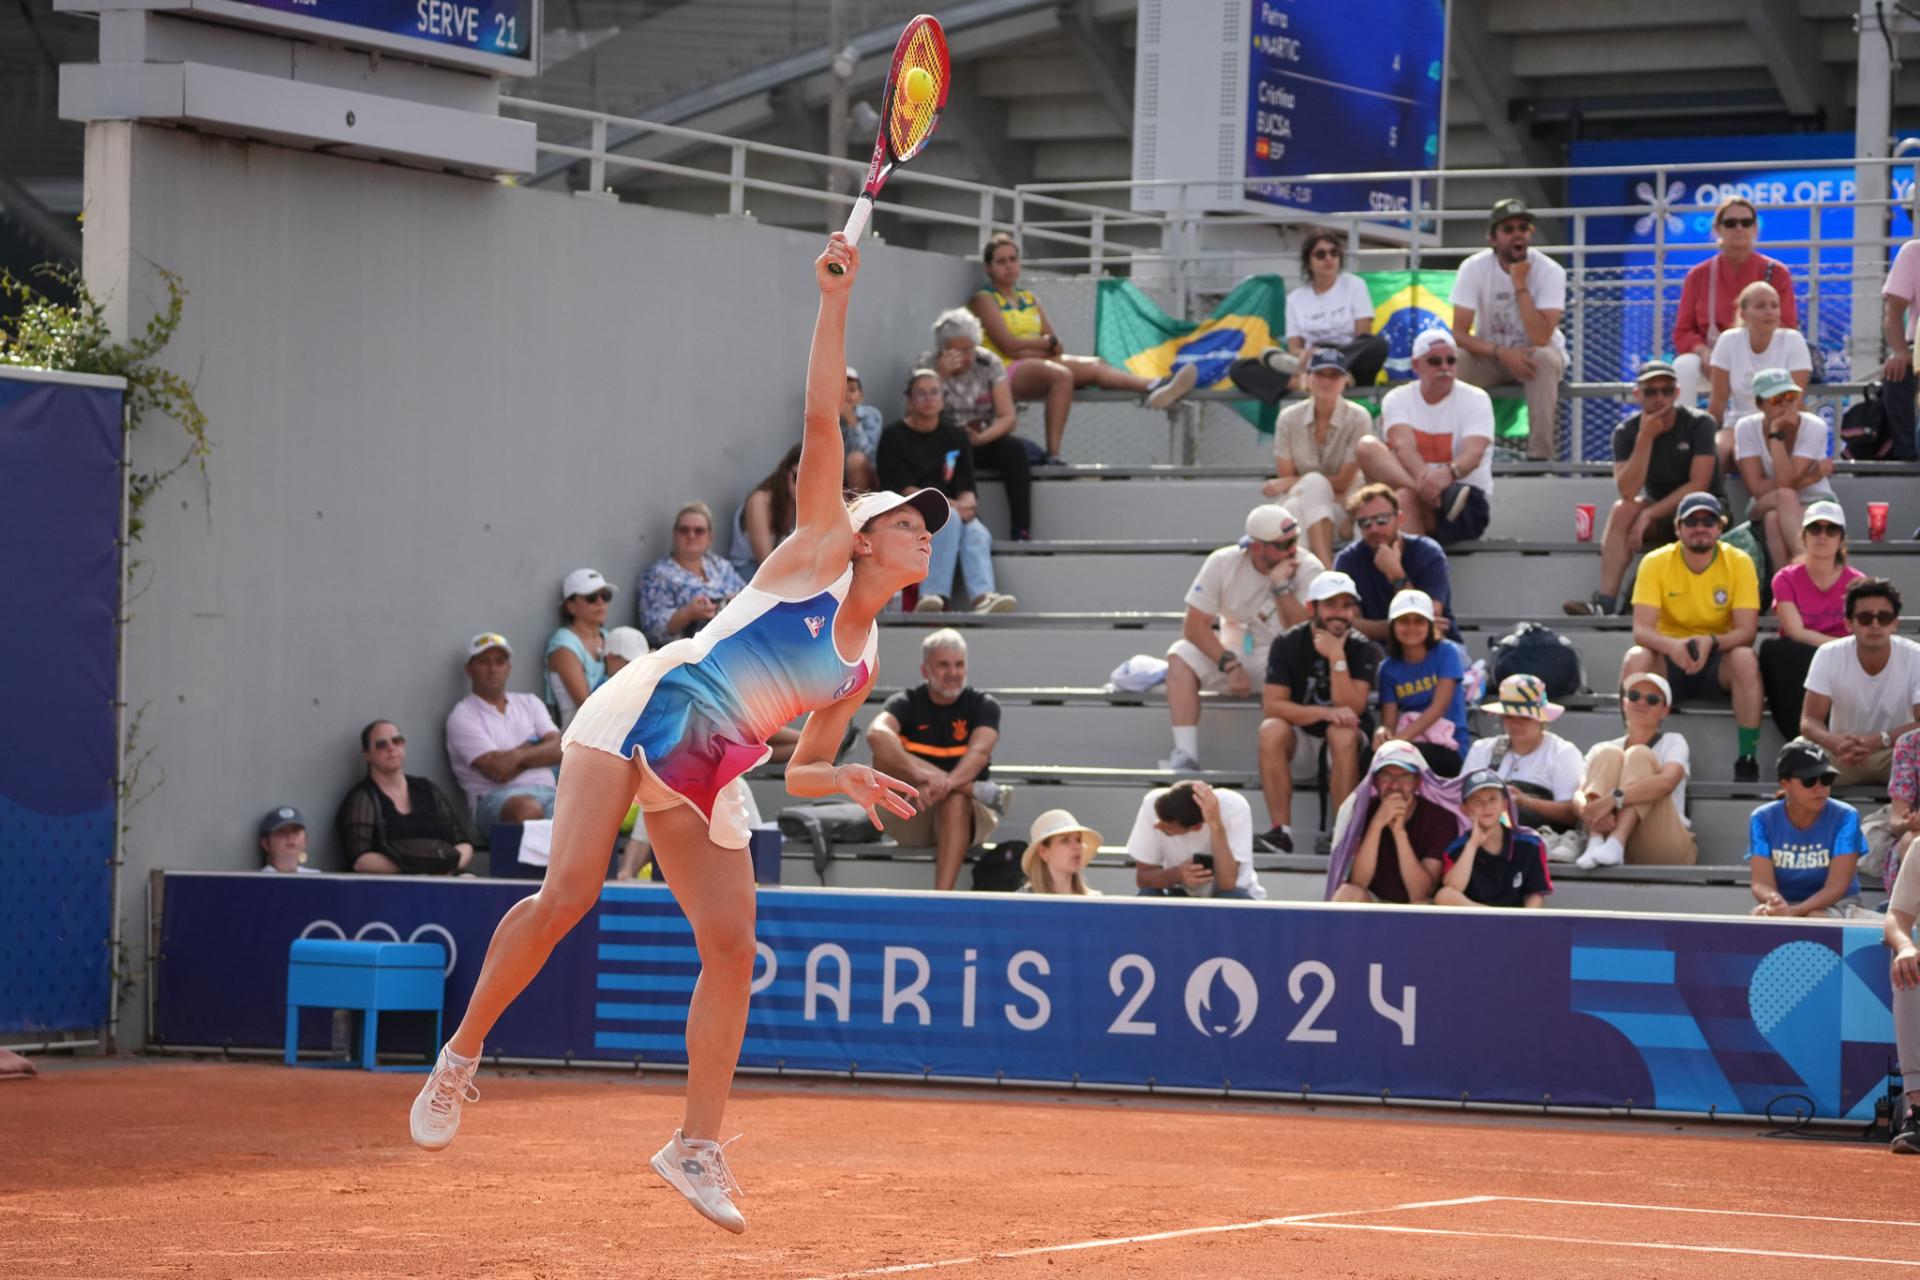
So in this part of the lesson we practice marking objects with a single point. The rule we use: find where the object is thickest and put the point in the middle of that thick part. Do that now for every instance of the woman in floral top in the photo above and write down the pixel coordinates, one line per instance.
(680, 592)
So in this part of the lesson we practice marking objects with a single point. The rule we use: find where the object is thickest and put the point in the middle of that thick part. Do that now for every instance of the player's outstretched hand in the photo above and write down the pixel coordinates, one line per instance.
(837, 253)
(874, 791)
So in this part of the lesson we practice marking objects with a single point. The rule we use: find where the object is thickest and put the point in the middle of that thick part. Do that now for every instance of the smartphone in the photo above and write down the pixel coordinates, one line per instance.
(1204, 859)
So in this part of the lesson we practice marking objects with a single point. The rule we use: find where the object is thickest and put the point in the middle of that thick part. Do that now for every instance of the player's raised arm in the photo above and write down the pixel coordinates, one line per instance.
(822, 453)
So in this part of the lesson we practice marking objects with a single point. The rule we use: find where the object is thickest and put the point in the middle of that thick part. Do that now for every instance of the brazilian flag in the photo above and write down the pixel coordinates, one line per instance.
(1132, 332)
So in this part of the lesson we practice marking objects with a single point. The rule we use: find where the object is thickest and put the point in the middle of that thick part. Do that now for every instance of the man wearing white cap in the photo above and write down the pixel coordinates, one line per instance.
(1438, 454)
(503, 745)
(1540, 767)
(1320, 677)
(1633, 795)
(1252, 591)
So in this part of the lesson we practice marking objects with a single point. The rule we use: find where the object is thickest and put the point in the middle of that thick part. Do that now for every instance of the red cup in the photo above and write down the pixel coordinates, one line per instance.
(1876, 522)
(1583, 521)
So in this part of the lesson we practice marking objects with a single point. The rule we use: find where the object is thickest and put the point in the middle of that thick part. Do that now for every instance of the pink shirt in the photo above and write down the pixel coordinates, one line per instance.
(1822, 611)
(475, 727)
(1903, 281)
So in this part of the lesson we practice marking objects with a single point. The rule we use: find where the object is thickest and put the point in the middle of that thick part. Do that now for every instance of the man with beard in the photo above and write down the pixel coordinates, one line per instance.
(1438, 453)
(1383, 561)
(1252, 590)
(1696, 609)
(1320, 675)
(1405, 822)
(1507, 301)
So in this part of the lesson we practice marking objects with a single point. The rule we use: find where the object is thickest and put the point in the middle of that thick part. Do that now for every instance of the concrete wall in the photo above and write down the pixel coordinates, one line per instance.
(430, 397)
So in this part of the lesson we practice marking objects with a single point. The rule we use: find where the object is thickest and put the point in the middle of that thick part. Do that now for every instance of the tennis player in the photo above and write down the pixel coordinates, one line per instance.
(678, 729)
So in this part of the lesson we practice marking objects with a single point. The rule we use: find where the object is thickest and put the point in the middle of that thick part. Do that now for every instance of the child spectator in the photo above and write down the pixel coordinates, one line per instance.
(860, 425)
(1493, 863)
(1421, 700)
(283, 842)
(1541, 769)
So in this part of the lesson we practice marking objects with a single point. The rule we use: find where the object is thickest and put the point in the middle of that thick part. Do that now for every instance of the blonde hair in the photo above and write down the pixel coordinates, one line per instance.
(1753, 290)
(697, 508)
(1042, 875)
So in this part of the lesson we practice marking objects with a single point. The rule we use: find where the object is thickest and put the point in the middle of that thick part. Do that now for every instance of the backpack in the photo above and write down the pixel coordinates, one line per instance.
(998, 868)
(823, 823)
(1865, 434)
(1536, 650)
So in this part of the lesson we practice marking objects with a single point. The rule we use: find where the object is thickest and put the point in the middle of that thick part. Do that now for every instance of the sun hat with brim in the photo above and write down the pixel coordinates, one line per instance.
(1524, 695)
(1824, 512)
(1647, 677)
(1398, 755)
(1054, 822)
(931, 503)
(1768, 383)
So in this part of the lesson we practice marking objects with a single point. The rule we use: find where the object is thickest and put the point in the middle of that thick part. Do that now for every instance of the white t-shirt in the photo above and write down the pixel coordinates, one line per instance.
(1668, 748)
(1750, 441)
(475, 727)
(1439, 428)
(1903, 281)
(1148, 844)
(1555, 764)
(1484, 285)
(1232, 590)
(1864, 703)
(1733, 352)
(1327, 319)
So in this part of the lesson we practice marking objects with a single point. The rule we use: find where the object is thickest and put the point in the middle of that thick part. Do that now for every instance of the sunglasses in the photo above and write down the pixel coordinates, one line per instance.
(1651, 699)
(1659, 390)
(1283, 546)
(1327, 253)
(690, 530)
(1876, 617)
(1375, 522)
(397, 740)
(603, 595)
(1737, 223)
(1824, 530)
(1442, 361)
(1785, 397)
(1704, 520)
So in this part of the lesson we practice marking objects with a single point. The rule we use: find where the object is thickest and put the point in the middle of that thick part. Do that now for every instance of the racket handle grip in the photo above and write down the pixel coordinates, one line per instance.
(856, 225)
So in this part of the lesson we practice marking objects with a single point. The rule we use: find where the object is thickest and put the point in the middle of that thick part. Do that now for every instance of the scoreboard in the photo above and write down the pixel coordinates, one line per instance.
(497, 36)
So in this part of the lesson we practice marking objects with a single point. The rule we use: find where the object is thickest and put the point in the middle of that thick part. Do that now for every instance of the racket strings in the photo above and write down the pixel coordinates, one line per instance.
(911, 124)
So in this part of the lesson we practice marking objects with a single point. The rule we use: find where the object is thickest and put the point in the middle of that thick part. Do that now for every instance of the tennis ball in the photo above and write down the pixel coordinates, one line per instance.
(919, 86)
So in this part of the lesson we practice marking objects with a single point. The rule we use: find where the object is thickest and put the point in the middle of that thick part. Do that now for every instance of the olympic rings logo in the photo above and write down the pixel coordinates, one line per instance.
(393, 935)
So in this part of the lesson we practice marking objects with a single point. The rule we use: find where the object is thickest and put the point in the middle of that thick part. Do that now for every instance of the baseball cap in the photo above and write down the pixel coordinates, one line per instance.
(1651, 369)
(584, 582)
(1427, 339)
(1806, 761)
(285, 816)
(931, 503)
(1481, 780)
(1702, 501)
(1330, 584)
(1524, 695)
(1271, 522)
(1830, 512)
(488, 640)
(626, 642)
(1768, 383)
(1647, 677)
(1397, 755)
(853, 374)
(1511, 207)
(1326, 358)
(1410, 601)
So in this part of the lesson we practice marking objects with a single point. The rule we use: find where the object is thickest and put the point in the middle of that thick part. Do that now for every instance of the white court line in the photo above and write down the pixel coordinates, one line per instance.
(1736, 1213)
(1612, 1244)
(1298, 1219)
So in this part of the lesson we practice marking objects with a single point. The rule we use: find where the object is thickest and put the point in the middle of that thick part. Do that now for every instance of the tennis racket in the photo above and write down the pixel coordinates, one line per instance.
(905, 125)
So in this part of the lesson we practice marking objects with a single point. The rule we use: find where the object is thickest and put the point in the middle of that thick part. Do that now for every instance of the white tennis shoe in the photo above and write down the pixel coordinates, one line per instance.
(436, 1112)
(698, 1170)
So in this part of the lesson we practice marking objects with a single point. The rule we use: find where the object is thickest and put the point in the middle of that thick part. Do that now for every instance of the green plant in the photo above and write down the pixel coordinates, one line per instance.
(74, 338)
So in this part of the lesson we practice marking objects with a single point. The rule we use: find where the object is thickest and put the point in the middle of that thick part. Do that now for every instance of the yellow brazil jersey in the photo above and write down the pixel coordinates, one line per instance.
(1020, 313)
(1697, 604)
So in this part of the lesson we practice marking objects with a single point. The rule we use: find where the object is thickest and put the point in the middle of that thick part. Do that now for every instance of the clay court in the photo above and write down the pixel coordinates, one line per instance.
(213, 1169)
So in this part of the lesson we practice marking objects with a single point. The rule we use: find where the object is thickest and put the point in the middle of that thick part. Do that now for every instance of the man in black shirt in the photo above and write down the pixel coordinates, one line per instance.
(940, 736)
(1660, 455)
(1319, 676)
(922, 452)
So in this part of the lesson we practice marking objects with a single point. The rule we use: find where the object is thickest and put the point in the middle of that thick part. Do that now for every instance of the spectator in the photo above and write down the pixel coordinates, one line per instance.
(978, 399)
(1707, 298)
(922, 451)
(1492, 863)
(624, 645)
(393, 823)
(1696, 610)
(860, 425)
(1421, 699)
(1390, 842)
(1188, 839)
(1383, 561)
(765, 516)
(1810, 599)
(1320, 678)
(1863, 692)
(939, 735)
(1898, 297)
(577, 649)
(283, 842)
(1759, 341)
(1507, 302)
(1438, 450)
(1802, 849)
(680, 592)
(1335, 311)
(1904, 975)
(1252, 590)
(1316, 470)
(1014, 327)
(1660, 455)
(1057, 853)
(1541, 768)
(1633, 792)
(503, 745)
(1781, 451)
